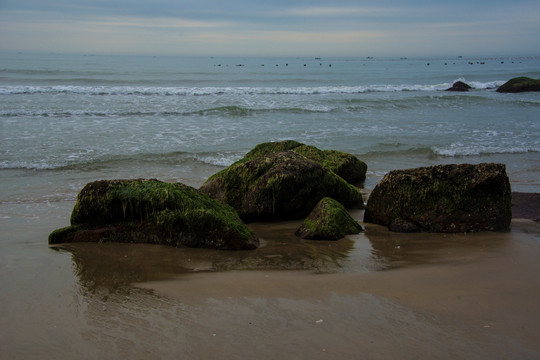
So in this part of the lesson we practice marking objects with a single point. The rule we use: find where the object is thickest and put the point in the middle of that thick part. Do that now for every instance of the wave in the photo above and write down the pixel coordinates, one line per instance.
(458, 150)
(453, 150)
(219, 159)
(213, 91)
(220, 110)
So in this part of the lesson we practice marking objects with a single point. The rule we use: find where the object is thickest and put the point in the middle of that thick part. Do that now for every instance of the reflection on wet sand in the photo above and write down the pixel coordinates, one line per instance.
(460, 296)
(114, 266)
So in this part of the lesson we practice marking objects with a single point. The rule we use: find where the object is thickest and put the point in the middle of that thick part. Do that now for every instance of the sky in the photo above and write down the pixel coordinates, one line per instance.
(272, 27)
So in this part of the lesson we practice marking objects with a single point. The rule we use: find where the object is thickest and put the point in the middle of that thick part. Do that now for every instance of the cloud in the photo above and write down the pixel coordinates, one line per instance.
(340, 11)
(252, 27)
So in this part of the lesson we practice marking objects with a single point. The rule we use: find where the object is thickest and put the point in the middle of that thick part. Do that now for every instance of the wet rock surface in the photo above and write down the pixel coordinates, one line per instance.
(151, 211)
(445, 198)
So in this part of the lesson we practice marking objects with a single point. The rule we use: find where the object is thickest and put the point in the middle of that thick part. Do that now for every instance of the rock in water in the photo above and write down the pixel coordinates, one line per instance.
(348, 166)
(445, 198)
(329, 220)
(151, 211)
(459, 86)
(520, 84)
(279, 186)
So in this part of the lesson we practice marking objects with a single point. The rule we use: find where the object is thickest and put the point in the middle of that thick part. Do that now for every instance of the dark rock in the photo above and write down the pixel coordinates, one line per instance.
(445, 198)
(279, 186)
(526, 206)
(348, 166)
(459, 86)
(520, 84)
(151, 211)
(329, 220)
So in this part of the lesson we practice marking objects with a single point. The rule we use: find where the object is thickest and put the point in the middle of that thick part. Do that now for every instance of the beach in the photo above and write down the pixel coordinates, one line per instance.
(67, 120)
(375, 295)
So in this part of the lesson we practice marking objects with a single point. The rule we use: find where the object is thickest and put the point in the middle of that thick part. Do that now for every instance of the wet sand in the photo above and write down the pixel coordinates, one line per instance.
(455, 301)
(376, 295)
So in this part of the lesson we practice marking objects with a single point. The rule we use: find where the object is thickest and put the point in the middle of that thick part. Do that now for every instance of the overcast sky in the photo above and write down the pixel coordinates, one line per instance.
(272, 27)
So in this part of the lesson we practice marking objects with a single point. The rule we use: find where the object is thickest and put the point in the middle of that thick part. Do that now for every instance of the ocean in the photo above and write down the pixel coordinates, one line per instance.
(66, 120)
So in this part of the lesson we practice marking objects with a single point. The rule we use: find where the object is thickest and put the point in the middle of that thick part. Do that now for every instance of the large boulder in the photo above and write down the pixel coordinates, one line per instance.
(520, 84)
(445, 198)
(151, 211)
(329, 220)
(348, 166)
(279, 186)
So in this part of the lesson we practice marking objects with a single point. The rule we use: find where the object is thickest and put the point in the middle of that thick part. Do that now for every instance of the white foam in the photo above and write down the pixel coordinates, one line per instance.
(458, 149)
(218, 159)
(205, 91)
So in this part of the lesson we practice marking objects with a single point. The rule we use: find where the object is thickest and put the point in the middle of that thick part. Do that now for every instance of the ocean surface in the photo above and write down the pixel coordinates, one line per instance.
(66, 120)
(182, 119)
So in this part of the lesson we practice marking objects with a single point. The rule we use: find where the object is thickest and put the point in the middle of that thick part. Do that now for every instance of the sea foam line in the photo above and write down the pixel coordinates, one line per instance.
(207, 91)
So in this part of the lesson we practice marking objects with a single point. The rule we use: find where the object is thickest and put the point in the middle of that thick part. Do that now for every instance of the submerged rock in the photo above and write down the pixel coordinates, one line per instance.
(329, 220)
(445, 198)
(520, 84)
(348, 166)
(151, 211)
(459, 86)
(279, 186)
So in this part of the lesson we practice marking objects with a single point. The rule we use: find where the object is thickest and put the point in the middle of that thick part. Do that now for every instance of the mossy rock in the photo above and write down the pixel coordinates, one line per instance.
(279, 186)
(348, 166)
(151, 211)
(520, 84)
(329, 220)
(444, 198)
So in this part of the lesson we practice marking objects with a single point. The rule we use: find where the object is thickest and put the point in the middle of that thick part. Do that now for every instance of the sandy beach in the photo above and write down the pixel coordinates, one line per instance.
(471, 298)
(376, 295)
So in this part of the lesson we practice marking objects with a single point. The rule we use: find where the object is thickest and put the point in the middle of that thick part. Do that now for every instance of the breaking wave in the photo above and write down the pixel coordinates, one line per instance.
(212, 91)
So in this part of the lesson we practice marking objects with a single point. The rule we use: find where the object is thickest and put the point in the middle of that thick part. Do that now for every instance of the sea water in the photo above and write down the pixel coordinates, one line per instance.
(66, 120)
(183, 118)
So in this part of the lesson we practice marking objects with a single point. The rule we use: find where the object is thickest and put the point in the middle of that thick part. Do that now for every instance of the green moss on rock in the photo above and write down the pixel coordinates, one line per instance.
(348, 166)
(445, 198)
(329, 220)
(520, 84)
(151, 211)
(278, 186)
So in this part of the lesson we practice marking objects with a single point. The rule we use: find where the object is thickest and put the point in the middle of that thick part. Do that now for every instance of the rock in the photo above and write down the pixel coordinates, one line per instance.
(348, 166)
(526, 206)
(520, 84)
(329, 220)
(444, 198)
(279, 186)
(151, 211)
(459, 86)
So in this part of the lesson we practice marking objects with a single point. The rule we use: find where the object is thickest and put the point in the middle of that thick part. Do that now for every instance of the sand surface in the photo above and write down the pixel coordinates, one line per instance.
(455, 301)
(376, 295)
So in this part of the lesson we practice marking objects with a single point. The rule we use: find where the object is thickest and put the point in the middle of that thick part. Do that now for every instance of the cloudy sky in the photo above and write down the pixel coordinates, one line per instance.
(272, 27)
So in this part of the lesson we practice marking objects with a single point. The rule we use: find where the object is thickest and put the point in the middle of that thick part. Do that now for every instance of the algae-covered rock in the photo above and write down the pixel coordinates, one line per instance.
(520, 84)
(329, 220)
(445, 198)
(151, 211)
(348, 166)
(279, 186)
